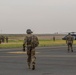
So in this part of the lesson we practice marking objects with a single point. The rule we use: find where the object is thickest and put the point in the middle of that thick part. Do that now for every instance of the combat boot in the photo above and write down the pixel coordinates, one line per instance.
(33, 67)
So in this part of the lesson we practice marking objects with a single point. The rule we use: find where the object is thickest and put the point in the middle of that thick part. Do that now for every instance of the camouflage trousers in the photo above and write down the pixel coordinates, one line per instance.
(31, 58)
(70, 47)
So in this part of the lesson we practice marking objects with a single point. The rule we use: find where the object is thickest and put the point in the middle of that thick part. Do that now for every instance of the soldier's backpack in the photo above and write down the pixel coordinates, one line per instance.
(32, 40)
(28, 40)
(35, 41)
(69, 39)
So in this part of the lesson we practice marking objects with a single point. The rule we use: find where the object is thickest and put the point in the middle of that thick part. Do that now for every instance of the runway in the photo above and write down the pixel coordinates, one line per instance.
(50, 61)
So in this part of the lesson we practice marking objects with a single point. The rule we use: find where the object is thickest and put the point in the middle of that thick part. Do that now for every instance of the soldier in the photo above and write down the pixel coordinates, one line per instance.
(2, 39)
(6, 39)
(30, 41)
(53, 38)
(69, 41)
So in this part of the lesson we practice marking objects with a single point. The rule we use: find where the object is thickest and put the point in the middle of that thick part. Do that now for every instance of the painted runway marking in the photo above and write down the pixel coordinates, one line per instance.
(19, 52)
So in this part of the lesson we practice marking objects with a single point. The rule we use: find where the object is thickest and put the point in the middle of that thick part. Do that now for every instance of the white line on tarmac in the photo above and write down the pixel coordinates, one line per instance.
(18, 52)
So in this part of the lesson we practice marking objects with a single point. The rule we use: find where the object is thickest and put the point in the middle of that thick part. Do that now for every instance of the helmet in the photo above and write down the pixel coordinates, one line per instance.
(29, 31)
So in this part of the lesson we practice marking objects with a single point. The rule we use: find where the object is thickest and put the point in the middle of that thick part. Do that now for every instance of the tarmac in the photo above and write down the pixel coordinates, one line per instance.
(49, 61)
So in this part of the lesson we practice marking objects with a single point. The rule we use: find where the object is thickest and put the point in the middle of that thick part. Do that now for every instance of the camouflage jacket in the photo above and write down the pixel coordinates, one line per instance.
(69, 39)
(31, 40)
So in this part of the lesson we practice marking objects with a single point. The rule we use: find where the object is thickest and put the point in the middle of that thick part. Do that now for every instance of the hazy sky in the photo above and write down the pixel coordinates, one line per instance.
(41, 16)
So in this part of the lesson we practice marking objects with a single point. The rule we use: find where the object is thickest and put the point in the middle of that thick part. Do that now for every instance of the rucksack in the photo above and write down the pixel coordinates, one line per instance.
(32, 40)
(69, 38)
(29, 40)
(35, 41)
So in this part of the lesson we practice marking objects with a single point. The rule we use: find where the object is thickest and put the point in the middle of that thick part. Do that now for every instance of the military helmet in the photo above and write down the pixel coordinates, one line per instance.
(29, 31)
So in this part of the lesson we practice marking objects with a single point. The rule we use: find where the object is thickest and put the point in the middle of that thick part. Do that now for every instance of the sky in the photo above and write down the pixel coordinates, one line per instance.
(41, 16)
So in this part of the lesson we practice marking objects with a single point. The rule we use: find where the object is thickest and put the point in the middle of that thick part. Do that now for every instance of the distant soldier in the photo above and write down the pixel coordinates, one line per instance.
(53, 38)
(6, 39)
(69, 41)
(31, 42)
(2, 39)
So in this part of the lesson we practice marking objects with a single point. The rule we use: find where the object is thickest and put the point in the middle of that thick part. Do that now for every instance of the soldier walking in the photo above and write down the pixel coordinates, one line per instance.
(69, 41)
(6, 39)
(31, 42)
(53, 38)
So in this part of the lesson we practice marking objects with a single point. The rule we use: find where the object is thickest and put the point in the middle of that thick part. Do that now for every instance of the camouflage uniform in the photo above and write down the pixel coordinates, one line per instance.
(6, 39)
(69, 41)
(30, 49)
